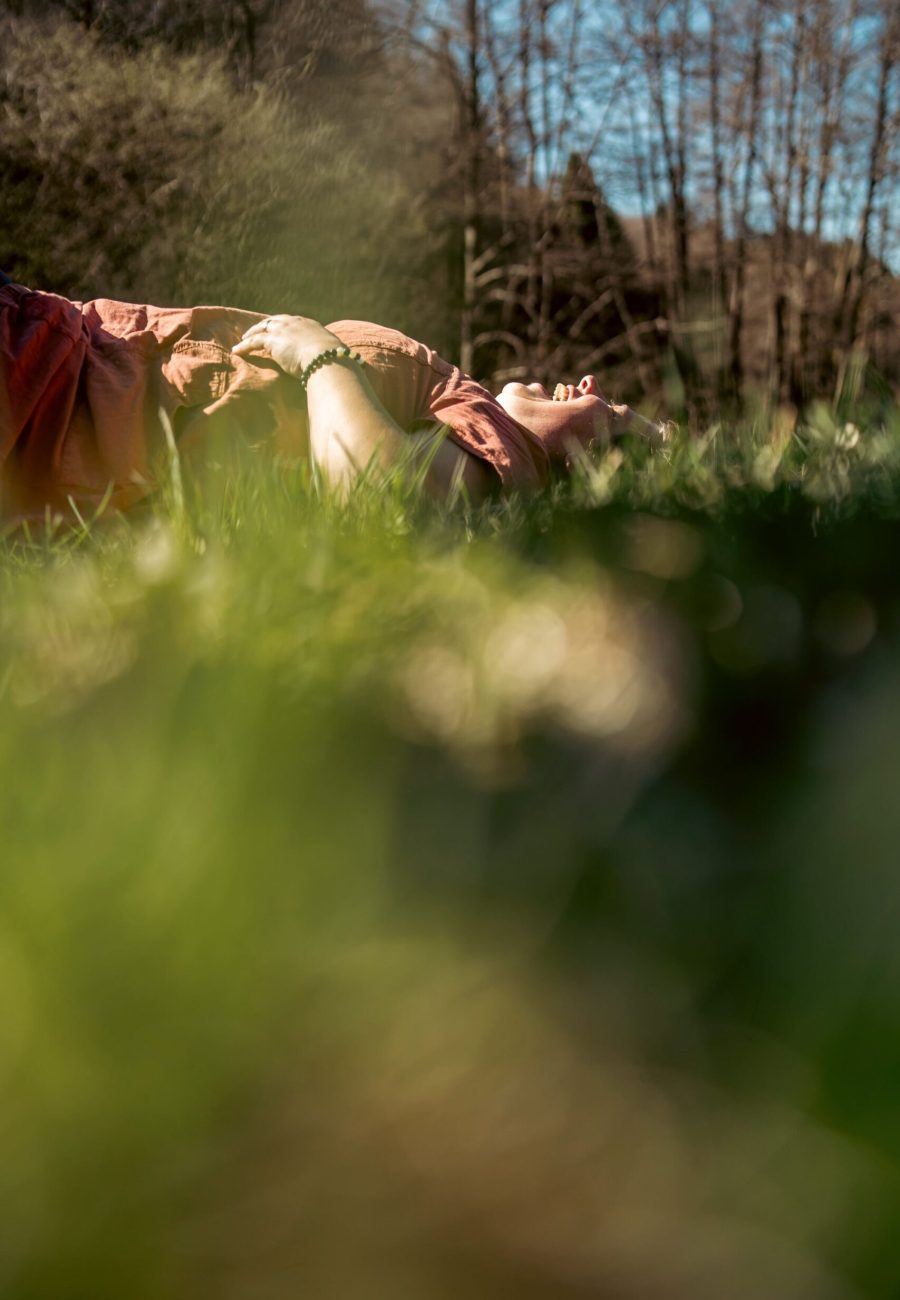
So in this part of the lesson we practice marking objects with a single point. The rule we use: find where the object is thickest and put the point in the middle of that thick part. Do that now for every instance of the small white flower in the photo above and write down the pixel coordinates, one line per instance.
(847, 438)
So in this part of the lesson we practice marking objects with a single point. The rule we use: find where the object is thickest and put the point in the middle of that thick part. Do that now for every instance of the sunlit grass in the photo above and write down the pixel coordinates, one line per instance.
(398, 898)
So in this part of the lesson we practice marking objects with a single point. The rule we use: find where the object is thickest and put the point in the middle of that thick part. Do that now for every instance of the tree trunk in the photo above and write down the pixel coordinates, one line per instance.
(472, 136)
(784, 360)
(735, 342)
(849, 307)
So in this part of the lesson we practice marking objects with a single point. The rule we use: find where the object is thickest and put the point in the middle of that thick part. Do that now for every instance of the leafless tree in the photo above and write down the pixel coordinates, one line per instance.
(856, 279)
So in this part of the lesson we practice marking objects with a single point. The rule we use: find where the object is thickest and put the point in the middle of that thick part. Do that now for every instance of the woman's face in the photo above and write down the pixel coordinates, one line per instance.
(569, 418)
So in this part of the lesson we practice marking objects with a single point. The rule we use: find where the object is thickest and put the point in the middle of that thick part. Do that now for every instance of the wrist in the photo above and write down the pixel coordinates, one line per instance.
(339, 355)
(313, 347)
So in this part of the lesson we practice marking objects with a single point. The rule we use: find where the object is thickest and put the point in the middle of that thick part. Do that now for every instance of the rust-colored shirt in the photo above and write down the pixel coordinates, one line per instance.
(86, 388)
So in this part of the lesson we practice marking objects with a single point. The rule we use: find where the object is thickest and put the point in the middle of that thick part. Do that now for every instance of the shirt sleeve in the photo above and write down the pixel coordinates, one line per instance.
(414, 383)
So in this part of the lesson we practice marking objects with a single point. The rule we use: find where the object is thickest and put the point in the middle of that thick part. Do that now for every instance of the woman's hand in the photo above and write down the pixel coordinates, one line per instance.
(292, 342)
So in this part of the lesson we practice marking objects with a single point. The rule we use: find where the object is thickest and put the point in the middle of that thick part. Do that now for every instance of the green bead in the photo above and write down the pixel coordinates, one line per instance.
(325, 358)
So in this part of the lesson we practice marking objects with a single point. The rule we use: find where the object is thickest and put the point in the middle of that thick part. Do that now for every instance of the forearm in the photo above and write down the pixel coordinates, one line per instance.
(350, 430)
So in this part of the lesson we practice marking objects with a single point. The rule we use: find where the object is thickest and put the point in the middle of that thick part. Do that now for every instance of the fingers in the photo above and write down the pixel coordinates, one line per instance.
(275, 324)
(262, 327)
(251, 345)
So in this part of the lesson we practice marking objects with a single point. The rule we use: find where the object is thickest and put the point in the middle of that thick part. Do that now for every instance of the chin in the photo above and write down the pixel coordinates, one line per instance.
(512, 390)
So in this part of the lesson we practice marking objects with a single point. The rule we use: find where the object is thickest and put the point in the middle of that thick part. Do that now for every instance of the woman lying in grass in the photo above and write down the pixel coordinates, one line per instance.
(90, 392)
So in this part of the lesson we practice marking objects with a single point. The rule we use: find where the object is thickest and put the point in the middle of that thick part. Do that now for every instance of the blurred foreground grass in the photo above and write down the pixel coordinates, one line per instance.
(399, 902)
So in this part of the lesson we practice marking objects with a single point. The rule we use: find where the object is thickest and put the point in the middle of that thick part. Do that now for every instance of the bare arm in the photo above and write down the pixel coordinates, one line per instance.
(349, 428)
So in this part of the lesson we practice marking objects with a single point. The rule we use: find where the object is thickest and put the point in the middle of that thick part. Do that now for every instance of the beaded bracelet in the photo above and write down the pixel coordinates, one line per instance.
(327, 358)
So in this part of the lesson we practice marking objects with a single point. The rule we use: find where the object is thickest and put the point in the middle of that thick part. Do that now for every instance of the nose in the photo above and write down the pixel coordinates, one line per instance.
(589, 387)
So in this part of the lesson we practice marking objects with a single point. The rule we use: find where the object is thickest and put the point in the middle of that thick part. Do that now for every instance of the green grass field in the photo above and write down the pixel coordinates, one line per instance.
(401, 902)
